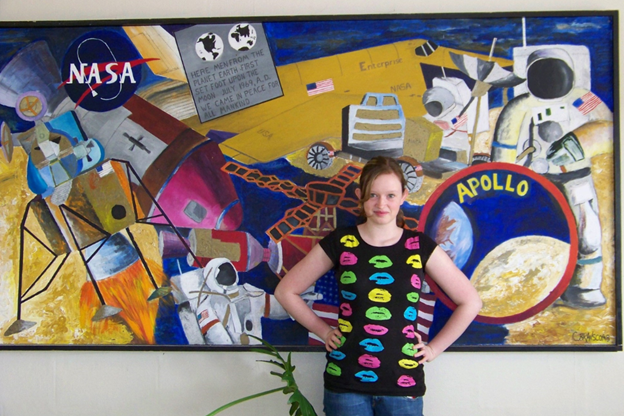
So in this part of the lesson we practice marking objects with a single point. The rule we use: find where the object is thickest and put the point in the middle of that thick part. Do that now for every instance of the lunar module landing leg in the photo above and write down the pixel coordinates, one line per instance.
(97, 214)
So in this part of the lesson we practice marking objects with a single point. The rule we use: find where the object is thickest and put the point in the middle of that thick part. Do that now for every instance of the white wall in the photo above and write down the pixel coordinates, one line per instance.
(193, 384)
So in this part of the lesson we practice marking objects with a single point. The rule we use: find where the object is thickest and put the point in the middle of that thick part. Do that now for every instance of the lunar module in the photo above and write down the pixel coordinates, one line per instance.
(95, 175)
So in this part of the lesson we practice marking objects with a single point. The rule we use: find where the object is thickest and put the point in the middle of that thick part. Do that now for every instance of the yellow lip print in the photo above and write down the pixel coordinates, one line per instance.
(409, 364)
(379, 295)
(415, 261)
(345, 326)
(349, 241)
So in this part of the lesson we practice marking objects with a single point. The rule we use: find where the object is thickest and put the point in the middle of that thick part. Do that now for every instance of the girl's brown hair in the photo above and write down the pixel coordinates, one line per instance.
(379, 165)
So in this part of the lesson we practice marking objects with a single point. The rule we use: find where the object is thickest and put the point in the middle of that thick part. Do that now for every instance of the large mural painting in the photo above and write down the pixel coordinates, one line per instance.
(157, 181)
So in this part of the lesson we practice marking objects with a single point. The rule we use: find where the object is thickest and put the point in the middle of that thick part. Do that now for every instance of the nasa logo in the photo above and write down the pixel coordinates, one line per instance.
(102, 70)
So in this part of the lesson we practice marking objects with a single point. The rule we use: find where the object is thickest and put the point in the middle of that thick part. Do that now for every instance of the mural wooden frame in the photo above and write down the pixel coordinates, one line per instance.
(160, 176)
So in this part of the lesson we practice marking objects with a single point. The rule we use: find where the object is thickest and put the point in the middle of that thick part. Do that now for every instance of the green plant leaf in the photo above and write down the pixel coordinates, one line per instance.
(299, 405)
(280, 365)
(241, 400)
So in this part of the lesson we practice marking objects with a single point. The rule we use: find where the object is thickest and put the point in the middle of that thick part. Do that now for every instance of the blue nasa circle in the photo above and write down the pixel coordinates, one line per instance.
(101, 47)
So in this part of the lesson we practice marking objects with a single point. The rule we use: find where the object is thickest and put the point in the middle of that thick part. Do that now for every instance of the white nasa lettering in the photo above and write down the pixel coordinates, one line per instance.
(75, 73)
(94, 74)
(79, 73)
(111, 71)
(127, 72)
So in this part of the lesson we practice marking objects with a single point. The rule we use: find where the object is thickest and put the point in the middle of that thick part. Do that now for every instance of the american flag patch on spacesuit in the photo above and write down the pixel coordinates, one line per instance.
(587, 103)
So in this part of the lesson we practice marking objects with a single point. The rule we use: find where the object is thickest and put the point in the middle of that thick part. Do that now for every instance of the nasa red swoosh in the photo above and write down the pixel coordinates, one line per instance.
(117, 71)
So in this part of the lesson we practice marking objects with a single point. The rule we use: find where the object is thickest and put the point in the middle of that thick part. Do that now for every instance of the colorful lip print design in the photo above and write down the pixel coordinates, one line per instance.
(367, 376)
(413, 297)
(380, 295)
(348, 259)
(349, 241)
(372, 345)
(369, 361)
(411, 313)
(346, 310)
(348, 278)
(378, 313)
(412, 243)
(416, 282)
(406, 381)
(345, 326)
(339, 355)
(333, 369)
(415, 261)
(382, 279)
(342, 340)
(409, 349)
(409, 332)
(408, 364)
(380, 262)
(348, 295)
(373, 329)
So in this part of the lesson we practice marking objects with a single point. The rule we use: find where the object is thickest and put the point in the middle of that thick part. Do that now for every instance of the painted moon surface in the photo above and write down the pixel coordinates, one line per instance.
(519, 273)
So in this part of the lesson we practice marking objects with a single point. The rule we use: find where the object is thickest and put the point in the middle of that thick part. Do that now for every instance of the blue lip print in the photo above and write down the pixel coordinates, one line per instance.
(367, 376)
(372, 345)
(348, 295)
(411, 313)
(382, 278)
(337, 355)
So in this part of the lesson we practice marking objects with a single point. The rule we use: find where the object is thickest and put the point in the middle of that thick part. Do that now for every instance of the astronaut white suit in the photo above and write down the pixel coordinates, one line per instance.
(555, 129)
(214, 309)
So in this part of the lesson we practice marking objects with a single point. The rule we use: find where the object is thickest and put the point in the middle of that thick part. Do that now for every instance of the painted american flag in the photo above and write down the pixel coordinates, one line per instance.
(425, 314)
(587, 103)
(320, 87)
(329, 314)
(460, 121)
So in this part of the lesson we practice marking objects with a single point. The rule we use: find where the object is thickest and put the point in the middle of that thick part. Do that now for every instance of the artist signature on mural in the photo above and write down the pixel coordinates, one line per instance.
(589, 337)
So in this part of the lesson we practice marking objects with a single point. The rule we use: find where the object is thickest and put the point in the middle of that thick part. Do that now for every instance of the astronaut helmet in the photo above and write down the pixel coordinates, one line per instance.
(445, 95)
(221, 276)
(550, 73)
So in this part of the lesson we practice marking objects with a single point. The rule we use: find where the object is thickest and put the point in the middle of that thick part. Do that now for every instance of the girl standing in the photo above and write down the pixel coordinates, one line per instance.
(375, 357)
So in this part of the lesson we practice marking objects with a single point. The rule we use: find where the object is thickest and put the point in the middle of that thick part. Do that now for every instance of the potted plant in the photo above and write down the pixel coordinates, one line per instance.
(299, 404)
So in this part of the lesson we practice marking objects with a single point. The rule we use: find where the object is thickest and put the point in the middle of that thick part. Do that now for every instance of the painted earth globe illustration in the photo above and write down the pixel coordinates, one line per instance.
(209, 46)
(454, 233)
(242, 37)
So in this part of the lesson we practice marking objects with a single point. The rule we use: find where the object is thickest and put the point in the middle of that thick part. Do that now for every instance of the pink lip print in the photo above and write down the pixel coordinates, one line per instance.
(348, 259)
(412, 243)
(409, 332)
(375, 329)
(346, 310)
(369, 361)
(406, 381)
(416, 281)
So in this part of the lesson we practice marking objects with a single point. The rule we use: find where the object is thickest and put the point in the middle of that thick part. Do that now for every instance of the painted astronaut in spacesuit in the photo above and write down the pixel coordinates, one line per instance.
(214, 309)
(554, 129)
(445, 102)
